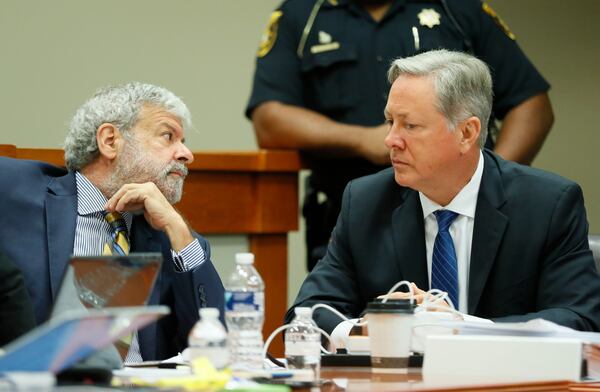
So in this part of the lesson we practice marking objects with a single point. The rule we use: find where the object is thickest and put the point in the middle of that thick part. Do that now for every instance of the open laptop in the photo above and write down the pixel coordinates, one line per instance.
(101, 299)
(73, 336)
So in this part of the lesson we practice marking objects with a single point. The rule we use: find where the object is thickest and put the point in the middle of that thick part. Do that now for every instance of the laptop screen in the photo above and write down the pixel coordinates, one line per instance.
(96, 282)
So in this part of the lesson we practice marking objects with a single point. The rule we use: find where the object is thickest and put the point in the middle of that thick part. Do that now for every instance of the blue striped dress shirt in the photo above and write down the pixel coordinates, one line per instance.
(92, 231)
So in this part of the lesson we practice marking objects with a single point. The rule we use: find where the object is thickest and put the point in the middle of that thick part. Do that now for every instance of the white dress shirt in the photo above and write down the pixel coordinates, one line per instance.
(461, 231)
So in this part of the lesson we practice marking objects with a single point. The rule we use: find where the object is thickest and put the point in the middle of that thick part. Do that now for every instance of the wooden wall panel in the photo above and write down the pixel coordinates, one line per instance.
(270, 255)
(7, 150)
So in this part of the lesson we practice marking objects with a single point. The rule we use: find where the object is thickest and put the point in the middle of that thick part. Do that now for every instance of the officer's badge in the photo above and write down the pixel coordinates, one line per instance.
(488, 10)
(270, 35)
(326, 43)
(429, 17)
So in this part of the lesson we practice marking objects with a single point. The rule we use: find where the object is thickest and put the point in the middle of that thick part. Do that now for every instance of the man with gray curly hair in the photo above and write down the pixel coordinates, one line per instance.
(126, 162)
(502, 241)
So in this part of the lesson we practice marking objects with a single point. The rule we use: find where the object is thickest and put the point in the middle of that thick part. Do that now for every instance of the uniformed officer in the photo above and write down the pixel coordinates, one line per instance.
(320, 86)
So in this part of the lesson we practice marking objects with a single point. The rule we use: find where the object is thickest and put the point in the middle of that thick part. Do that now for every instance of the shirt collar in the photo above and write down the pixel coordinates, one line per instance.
(91, 201)
(465, 202)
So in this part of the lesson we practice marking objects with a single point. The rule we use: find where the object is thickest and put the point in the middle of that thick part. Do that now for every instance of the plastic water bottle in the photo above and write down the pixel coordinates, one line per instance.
(244, 313)
(208, 338)
(303, 342)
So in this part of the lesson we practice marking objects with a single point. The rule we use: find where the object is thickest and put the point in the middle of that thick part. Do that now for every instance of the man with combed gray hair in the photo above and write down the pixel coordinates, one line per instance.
(504, 241)
(463, 85)
(126, 162)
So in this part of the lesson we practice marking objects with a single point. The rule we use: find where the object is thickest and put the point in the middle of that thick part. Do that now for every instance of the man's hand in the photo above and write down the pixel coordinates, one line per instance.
(372, 146)
(159, 213)
(419, 296)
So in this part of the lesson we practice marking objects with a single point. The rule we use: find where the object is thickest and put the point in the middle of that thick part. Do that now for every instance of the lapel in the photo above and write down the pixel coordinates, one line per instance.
(488, 230)
(409, 238)
(61, 218)
(145, 239)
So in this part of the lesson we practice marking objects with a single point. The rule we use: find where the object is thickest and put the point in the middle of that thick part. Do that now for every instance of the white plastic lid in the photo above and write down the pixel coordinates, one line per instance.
(244, 258)
(303, 311)
(209, 313)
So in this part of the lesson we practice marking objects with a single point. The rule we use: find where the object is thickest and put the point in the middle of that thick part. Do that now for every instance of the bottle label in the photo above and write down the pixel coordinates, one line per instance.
(244, 301)
(302, 348)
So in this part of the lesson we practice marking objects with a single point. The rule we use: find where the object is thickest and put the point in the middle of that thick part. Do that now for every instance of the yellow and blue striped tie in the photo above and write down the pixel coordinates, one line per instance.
(120, 238)
(128, 346)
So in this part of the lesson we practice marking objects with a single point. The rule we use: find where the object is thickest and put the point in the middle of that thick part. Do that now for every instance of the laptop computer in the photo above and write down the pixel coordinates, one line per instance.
(73, 336)
(101, 299)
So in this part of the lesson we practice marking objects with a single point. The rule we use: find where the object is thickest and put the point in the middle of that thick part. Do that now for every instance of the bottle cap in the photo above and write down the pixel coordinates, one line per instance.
(209, 313)
(244, 258)
(303, 311)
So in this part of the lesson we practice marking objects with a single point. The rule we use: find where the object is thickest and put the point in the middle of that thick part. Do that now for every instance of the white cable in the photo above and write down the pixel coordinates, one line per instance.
(395, 287)
(270, 339)
(339, 314)
(287, 326)
(435, 295)
(323, 349)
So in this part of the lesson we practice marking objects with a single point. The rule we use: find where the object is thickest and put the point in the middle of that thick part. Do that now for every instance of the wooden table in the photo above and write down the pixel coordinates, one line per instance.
(250, 193)
(362, 379)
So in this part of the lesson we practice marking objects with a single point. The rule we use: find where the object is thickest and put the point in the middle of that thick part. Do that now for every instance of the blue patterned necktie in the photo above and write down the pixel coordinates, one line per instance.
(444, 271)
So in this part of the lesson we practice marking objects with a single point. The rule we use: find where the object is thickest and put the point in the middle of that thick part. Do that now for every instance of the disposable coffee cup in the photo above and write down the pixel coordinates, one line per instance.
(390, 328)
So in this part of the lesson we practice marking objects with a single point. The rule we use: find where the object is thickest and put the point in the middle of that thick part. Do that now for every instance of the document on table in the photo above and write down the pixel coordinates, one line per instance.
(536, 327)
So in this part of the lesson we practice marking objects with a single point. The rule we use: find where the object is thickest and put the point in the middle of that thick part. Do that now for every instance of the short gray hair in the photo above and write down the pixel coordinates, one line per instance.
(118, 105)
(463, 84)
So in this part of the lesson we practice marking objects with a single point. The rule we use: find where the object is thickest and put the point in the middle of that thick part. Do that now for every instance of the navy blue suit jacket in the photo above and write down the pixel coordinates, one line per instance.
(38, 206)
(529, 257)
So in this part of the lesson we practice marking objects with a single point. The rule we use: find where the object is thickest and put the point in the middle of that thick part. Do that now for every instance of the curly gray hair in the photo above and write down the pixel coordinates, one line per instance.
(119, 105)
(462, 82)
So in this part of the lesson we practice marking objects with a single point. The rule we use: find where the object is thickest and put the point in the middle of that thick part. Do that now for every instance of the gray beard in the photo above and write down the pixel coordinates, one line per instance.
(133, 166)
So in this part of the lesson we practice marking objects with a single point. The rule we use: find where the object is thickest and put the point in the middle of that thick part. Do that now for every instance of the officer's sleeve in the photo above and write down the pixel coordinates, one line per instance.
(515, 77)
(277, 76)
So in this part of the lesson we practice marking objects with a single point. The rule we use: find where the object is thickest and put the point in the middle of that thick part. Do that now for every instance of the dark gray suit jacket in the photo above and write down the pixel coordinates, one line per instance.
(38, 208)
(529, 257)
(16, 312)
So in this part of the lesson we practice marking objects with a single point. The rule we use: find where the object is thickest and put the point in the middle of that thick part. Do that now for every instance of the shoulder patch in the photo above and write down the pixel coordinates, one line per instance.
(489, 10)
(270, 34)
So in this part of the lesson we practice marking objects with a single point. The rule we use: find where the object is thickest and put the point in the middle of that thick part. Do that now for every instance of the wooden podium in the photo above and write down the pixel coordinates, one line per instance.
(250, 193)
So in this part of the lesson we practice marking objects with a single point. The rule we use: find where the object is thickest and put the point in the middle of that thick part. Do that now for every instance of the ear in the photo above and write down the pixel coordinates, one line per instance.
(470, 130)
(108, 139)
